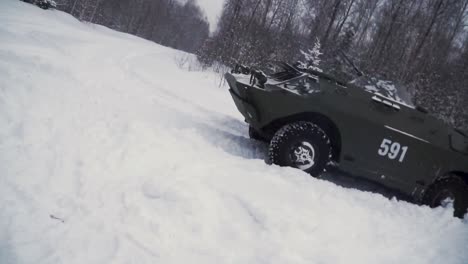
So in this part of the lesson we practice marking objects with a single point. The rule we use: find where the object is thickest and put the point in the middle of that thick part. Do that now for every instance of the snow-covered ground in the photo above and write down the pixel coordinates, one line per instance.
(112, 153)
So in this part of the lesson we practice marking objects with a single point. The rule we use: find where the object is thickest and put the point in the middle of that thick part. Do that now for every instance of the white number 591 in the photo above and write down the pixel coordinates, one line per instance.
(392, 150)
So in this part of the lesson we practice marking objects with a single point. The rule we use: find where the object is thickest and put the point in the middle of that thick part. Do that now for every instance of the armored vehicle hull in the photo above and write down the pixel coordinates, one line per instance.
(365, 134)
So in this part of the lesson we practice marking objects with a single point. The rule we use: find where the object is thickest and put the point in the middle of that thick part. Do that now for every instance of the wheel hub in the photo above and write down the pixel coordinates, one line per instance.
(303, 155)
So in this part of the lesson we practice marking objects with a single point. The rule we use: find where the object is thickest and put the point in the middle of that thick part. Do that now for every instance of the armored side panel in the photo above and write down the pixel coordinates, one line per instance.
(381, 139)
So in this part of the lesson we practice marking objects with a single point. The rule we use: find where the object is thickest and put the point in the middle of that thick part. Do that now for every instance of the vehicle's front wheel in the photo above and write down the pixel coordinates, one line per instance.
(449, 189)
(302, 145)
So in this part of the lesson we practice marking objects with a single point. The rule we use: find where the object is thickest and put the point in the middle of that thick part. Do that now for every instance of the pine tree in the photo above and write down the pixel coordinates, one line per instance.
(312, 58)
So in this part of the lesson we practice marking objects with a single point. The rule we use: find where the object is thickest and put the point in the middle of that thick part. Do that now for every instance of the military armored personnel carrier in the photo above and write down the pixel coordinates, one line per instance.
(313, 121)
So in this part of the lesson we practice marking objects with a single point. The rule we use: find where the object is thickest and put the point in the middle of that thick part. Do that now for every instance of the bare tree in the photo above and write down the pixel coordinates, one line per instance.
(421, 44)
(168, 22)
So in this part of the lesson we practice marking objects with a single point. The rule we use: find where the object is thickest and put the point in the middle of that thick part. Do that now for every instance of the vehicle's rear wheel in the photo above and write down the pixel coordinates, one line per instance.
(449, 189)
(302, 145)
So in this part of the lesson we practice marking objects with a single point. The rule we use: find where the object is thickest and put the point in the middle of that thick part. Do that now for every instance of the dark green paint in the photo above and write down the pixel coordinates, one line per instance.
(362, 123)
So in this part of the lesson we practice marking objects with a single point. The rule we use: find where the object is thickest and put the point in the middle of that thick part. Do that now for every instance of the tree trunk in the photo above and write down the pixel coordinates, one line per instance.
(367, 23)
(458, 26)
(253, 14)
(332, 20)
(265, 13)
(434, 18)
(390, 30)
(98, 2)
(343, 21)
(275, 13)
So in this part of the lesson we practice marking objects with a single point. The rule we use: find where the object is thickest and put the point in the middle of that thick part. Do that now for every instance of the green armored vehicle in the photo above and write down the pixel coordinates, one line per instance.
(314, 122)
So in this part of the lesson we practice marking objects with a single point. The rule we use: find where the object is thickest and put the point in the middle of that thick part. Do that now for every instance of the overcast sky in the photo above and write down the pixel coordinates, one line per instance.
(212, 9)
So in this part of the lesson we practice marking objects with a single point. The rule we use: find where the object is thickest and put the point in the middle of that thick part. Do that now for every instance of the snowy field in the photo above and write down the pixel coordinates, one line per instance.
(111, 152)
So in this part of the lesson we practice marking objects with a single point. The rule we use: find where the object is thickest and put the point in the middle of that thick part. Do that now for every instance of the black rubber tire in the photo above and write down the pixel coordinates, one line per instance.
(448, 187)
(292, 134)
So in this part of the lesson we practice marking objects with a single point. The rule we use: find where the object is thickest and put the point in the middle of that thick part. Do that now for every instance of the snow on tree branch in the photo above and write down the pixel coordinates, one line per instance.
(312, 57)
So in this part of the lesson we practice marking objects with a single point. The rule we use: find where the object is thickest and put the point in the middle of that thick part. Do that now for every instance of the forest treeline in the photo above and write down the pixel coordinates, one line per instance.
(420, 44)
(178, 24)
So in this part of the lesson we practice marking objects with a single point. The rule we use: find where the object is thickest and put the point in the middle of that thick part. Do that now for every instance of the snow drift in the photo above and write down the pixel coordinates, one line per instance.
(111, 153)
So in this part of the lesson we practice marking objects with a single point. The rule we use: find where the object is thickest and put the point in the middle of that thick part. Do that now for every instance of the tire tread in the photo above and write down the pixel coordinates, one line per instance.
(295, 129)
